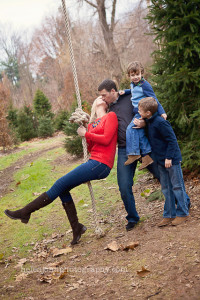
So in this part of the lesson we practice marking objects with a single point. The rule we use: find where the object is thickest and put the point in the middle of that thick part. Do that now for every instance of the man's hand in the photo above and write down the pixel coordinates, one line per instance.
(164, 116)
(140, 123)
(121, 92)
(168, 163)
(81, 131)
(100, 97)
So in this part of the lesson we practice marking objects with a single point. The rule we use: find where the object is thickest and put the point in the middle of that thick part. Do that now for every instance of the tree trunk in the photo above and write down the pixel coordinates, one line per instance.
(107, 30)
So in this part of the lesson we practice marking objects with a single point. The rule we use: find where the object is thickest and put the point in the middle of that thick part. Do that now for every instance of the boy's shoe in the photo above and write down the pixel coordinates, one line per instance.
(179, 220)
(130, 226)
(131, 159)
(165, 222)
(146, 160)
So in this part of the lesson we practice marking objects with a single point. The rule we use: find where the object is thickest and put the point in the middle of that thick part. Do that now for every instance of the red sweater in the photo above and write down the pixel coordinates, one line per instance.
(102, 139)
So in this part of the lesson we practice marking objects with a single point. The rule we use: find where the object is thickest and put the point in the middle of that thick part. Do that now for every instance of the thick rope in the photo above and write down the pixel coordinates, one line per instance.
(99, 232)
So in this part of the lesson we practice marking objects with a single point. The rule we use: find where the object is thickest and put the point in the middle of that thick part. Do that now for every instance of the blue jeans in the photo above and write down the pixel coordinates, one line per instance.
(153, 168)
(91, 170)
(136, 141)
(125, 176)
(173, 188)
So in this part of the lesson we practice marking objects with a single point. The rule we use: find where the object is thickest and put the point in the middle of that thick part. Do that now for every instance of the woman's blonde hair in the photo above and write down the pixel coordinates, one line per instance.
(93, 115)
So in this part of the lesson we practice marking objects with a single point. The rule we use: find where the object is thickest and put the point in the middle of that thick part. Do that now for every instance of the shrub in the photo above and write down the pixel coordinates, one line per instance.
(26, 124)
(73, 142)
(12, 117)
(42, 106)
(61, 117)
(45, 127)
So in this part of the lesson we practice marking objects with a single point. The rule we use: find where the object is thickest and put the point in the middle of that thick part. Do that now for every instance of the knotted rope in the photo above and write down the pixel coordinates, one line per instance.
(79, 116)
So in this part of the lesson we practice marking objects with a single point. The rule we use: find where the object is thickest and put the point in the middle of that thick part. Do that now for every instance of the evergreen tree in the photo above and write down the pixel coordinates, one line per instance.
(73, 142)
(42, 105)
(11, 68)
(61, 117)
(26, 124)
(45, 127)
(12, 117)
(176, 27)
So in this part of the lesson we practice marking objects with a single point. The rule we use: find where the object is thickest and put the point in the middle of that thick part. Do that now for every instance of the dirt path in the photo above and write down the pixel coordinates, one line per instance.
(6, 175)
(170, 256)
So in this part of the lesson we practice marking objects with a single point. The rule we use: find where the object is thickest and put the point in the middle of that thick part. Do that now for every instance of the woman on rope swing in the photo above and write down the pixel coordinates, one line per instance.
(101, 137)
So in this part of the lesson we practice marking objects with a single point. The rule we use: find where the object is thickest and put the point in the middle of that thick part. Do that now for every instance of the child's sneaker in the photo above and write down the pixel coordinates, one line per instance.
(131, 159)
(146, 160)
(165, 222)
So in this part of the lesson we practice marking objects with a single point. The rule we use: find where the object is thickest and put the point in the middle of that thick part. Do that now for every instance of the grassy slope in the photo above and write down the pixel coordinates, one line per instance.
(33, 178)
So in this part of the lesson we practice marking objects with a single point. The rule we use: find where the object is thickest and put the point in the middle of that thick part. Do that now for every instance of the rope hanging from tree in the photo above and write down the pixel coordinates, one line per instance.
(80, 117)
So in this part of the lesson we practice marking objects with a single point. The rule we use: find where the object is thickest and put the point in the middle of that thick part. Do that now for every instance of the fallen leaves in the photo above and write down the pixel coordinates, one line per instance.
(113, 246)
(21, 276)
(54, 276)
(45, 279)
(74, 286)
(131, 245)
(144, 272)
(20, 263)
(36, 194)
(56, 273)
(58, 252)
(55, 264)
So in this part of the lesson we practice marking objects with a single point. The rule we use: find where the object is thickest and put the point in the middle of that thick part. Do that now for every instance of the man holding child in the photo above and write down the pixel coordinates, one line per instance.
(121, 104)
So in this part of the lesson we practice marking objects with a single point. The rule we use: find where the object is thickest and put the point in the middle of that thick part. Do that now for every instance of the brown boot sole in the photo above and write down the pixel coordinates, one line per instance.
(146, 165)
(179, 221)
(168, 222)
(130, 161)
(76, 240)
(25, 221)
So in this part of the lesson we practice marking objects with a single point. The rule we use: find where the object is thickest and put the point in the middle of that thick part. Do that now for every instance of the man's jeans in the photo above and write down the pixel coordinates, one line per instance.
(125, 176)
(136, 141)
(173, 188)
(88, 171)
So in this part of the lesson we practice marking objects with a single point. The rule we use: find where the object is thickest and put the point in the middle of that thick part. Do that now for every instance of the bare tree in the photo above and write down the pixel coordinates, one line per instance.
(132, 37)
(102, 48)
(107, 28)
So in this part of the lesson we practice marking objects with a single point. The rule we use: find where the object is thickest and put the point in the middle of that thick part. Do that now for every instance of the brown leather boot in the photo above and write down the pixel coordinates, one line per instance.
(179, 220)
(131, 159)
(146, 160)
(24, 213)
(77, 228)
(165, 222)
